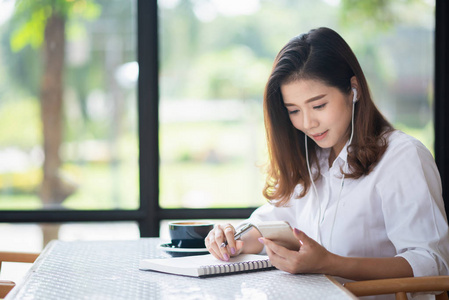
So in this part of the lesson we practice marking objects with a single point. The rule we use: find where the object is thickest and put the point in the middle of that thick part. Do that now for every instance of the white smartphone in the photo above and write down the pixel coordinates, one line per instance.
(279, 232)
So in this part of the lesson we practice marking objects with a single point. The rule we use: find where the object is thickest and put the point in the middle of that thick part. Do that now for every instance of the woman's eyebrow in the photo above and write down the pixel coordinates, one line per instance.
(308, 100)
(315, 98)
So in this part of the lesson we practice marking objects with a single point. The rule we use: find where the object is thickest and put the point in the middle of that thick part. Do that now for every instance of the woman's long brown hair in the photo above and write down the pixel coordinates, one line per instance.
(323, 55)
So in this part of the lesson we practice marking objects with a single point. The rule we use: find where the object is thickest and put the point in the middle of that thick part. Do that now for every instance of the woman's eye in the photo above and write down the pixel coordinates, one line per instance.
(320, 106)
(292, 112)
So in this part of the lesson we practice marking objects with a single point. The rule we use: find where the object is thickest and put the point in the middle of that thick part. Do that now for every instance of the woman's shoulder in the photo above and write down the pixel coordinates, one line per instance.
(400, 141)
(407, 163)
(405, 148)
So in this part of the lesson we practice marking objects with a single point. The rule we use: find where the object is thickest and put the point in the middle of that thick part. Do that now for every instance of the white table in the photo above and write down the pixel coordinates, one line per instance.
(109, 270)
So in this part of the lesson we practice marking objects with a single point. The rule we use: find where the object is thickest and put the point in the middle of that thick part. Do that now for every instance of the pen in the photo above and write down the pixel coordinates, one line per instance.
(238, 234)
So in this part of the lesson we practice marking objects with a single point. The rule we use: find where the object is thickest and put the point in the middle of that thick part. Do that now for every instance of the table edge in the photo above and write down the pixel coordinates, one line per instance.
(341, 287)
(30, 272)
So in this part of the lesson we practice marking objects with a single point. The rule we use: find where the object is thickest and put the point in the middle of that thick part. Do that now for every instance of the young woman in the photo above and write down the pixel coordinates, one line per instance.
(365, 200)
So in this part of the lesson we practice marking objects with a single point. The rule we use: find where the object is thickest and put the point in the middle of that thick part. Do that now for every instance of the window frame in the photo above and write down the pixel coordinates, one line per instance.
(150, 214)
(441, 107)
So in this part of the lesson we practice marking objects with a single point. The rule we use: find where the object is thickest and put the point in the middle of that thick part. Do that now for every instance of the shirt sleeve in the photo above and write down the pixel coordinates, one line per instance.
(413, 207)
(270, 212)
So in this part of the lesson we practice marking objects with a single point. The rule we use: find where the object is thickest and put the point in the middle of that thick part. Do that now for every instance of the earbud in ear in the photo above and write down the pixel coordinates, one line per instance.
(354, 99)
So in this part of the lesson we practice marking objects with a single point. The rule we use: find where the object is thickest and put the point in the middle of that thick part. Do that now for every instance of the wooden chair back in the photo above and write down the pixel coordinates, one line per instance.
(6, 285)
(401, 286)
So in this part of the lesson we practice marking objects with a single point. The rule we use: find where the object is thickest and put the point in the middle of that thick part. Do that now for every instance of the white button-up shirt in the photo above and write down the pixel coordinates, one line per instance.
(396, 210)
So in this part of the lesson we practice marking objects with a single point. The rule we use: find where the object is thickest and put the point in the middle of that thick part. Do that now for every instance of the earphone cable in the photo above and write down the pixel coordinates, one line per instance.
(315, 190)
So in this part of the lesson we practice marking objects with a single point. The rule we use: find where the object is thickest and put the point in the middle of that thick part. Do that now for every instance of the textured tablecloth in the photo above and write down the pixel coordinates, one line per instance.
(109, 270)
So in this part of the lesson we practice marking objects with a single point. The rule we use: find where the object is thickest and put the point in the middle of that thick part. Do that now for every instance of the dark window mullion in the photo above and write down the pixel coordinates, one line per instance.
(442, 94)
(148, 103)
(62, 216)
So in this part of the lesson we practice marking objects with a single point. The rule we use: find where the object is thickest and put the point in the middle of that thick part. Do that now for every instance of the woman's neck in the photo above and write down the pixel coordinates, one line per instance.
(332, 157)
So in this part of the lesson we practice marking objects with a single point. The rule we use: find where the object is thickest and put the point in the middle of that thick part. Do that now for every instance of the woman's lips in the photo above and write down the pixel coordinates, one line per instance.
(320, 136)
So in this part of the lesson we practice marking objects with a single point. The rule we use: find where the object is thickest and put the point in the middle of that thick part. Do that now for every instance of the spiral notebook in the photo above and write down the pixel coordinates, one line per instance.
(206, 265)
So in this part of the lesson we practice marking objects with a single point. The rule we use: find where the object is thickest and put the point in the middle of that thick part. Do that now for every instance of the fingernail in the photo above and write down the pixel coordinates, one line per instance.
(297, 231)
(233, 250)
(261, 240)
(226, 256)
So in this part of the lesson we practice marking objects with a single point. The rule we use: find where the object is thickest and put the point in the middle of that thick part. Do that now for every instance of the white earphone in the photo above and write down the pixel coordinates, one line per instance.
(354, 99)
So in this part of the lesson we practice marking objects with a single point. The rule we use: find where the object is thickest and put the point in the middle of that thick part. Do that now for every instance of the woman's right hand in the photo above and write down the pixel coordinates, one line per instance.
(215, 242)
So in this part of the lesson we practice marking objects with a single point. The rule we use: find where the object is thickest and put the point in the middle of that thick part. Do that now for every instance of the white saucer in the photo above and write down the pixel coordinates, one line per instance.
(174, 251)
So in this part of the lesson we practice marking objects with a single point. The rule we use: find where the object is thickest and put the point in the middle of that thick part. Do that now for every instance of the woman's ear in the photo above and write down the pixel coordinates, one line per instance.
(355, 84)
(355, 89)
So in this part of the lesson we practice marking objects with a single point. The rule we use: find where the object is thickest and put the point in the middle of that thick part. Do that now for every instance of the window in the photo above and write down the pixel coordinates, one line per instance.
(195, 137)
(69, 104)
(216, 56)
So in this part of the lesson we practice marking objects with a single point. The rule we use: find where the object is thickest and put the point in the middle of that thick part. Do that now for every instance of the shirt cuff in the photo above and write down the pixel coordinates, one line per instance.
(422, 263)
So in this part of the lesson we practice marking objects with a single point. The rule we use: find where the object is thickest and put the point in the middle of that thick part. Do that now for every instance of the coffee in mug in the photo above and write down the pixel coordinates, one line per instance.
(189, 234)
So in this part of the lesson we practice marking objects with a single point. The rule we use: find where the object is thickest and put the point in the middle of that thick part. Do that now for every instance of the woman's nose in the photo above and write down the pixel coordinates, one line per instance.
(309, 121)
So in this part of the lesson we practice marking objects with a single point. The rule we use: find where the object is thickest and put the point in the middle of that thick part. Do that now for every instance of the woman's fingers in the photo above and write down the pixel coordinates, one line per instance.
(220, 242)
(225, 240)
(229, 234)
(275, 248)
(238, 247)
(301, 236)
(309, 259)
(280, 257)
(211, 245)
(215, 242)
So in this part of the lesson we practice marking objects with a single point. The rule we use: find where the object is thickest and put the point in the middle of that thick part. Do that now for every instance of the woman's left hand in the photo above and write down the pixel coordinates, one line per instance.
(311, 257)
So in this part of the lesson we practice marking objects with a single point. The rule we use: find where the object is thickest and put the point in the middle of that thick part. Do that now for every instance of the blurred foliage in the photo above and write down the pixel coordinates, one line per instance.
(18, 189)
(23, 35)
(374, 14)
(380, 15)
(20, 123)
(86, 69)
(233, 73)
(25, 182)
(230, 55)
(31, 16)
(222, 57)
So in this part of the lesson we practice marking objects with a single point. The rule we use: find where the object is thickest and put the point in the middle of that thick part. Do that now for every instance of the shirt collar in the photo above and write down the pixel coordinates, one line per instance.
(323, 157)
(344, 152)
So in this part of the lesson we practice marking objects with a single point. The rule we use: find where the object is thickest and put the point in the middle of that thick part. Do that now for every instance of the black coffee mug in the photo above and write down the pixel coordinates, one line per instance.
(189, 234)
